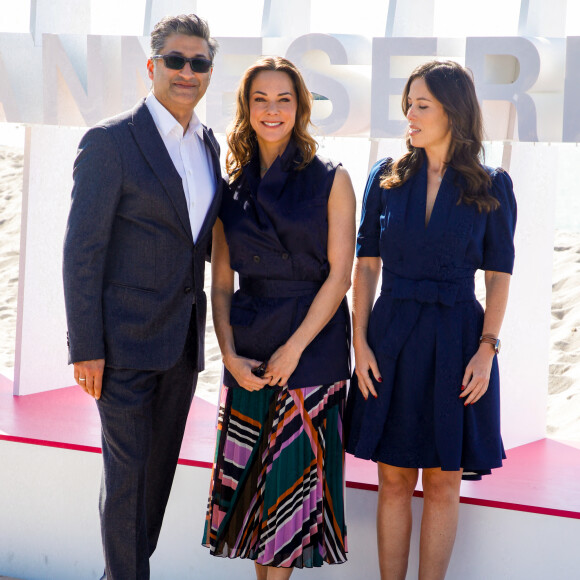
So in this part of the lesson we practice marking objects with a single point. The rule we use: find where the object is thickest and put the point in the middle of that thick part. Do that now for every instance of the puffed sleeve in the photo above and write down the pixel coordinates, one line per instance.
(498, 241)
(369, 232)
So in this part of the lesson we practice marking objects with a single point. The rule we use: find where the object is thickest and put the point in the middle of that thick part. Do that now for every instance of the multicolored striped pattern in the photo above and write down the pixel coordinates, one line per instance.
(277, 490)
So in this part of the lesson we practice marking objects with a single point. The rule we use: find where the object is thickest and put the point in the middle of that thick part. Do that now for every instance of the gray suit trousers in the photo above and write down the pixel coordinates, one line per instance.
(143, 417)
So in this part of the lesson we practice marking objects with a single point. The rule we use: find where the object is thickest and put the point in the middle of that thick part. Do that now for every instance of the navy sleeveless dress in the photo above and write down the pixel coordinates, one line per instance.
(425, 326)
(277, 494)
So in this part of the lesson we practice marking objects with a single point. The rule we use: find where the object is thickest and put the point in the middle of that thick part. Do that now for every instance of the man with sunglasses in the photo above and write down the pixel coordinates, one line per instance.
(147, 186)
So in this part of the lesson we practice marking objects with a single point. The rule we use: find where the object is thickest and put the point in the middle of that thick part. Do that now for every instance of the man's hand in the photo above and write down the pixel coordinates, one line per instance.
(89, 375)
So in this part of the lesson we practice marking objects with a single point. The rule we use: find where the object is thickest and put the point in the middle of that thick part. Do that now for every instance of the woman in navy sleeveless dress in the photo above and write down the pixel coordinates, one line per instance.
(287, 228)
(426, 389)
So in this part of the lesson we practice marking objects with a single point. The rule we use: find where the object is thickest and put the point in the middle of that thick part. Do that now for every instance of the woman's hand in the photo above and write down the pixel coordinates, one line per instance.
(282, 364)
(241, 369)
(365, 363)
(477, 373)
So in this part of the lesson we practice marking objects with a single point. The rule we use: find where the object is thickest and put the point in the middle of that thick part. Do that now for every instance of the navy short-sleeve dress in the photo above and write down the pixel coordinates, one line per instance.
(425, 326)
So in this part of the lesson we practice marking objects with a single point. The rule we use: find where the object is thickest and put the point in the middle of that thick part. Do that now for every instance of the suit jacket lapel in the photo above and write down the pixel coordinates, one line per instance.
(211, 144)
(147, 137)
(213, 148)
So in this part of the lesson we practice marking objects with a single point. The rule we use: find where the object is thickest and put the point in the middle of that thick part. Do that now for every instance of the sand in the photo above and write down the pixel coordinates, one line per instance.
(563, 421)
(564, 379)
(10, 205)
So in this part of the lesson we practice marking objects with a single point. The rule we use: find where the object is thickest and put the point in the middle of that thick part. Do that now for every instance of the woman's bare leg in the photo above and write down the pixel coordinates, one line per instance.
(439, 521)
(394, 519)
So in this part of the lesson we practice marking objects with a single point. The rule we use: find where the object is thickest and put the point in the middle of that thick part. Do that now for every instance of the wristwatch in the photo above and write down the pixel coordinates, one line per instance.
(493, 340)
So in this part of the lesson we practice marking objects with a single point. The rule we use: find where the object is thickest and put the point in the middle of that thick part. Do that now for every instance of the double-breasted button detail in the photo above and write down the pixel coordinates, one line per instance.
(187, 289)
(285, 256)
(257, 259)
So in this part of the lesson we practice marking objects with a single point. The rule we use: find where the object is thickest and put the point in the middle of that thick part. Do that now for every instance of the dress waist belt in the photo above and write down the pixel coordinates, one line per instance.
(429, 291)
(278, 288)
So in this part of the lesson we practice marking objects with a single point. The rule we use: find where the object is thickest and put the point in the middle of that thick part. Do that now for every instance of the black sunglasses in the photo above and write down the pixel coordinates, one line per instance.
(176, 62)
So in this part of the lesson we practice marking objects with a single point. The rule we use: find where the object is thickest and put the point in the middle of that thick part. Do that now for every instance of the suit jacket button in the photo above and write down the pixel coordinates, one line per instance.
(187, 289)
(257, 259)
(285, 256)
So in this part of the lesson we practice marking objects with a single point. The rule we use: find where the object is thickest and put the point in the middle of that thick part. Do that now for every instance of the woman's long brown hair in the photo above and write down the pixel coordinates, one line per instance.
(453, 87)
(241, 137)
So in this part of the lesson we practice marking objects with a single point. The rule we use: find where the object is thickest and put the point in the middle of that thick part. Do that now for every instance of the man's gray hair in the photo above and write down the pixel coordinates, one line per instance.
(188, 24)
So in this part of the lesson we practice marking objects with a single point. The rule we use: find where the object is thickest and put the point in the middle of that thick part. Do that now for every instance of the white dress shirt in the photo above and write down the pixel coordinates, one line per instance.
(191, 159)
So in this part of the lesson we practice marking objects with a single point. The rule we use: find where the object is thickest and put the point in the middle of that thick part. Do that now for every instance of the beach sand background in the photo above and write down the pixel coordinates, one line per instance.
(563, 419)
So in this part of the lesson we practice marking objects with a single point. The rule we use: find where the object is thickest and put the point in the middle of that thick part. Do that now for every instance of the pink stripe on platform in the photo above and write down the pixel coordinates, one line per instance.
(50, 444)
(68, 419)
(519, 507)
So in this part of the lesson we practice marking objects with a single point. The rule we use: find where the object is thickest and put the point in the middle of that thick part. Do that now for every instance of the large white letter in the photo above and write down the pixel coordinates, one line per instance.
(326, 61)
(504, 69)
(386, 88)
(73, 90)
(21, 78)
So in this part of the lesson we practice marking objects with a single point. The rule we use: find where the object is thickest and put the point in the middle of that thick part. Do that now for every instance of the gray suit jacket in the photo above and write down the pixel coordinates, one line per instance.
(131, 269)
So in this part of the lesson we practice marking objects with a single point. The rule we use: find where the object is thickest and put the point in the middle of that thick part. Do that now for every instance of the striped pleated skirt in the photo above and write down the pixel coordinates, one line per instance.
(277, 487)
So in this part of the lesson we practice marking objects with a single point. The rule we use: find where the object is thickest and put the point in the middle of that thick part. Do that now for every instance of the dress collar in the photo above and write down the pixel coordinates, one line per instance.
(290, 158)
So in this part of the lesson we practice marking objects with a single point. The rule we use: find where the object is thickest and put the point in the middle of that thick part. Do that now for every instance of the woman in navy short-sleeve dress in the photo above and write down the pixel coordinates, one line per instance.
(426, 389)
